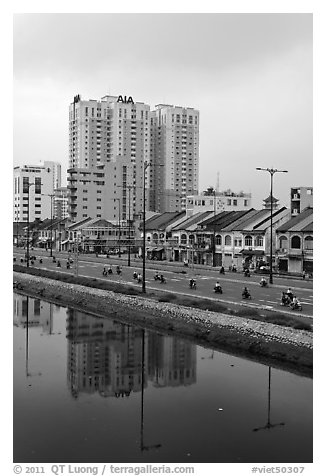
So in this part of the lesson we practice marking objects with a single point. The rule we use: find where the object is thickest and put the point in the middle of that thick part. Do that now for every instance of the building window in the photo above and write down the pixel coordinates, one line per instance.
(296, 242)
(283, 242)
(259, 241)
(227, 240)
(248, 240)
(308, 243)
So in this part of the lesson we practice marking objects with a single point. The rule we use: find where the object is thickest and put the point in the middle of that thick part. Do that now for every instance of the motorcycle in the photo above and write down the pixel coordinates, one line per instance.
(110, 271)
(218, 289)
(162, 279)
(263, 284)
(286, 301)
(192, 284)
(41, 261)
(104, 272)
(246, 295)
(157, 277)
(139, 279)
(118, 270)
(296, 306)
(247, 273)
(68, 265)
(134, 275)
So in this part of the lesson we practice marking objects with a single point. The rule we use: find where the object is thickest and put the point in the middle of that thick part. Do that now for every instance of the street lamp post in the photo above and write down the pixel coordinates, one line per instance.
(214, 231)
(271, 172)
(129, 187)
(119, 226)
(146, 165)
(28, 185)
(51, 195)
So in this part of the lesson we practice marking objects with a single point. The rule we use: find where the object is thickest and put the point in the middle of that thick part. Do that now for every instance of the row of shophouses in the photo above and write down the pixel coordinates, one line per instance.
(240, 238)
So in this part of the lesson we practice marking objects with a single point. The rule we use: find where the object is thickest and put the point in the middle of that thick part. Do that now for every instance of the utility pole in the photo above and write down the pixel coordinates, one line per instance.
(271, 171)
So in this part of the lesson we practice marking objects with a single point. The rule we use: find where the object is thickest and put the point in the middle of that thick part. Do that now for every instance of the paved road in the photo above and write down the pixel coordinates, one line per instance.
(232, 283)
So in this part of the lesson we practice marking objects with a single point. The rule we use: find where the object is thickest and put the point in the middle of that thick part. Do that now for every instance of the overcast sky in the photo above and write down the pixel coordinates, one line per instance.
(249, 75)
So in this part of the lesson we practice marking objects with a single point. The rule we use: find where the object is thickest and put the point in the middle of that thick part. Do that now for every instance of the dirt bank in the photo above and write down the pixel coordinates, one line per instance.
(283, 347)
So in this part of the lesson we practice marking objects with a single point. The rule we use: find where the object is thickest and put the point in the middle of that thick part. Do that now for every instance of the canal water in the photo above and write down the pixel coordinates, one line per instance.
(88, 389)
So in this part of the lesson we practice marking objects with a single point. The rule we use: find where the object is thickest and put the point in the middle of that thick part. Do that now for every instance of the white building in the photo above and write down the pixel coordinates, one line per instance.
(301, 198)
(32, 186)
(175, 145)
(60, 202)
(109, 141)
(218, 202)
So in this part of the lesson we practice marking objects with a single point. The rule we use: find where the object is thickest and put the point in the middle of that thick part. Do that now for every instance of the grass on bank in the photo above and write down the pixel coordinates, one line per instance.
(198, 303)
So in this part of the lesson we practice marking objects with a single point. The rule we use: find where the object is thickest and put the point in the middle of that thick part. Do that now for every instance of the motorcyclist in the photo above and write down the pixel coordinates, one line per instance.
(290, 294)
(217, 287)
(285, 299)
(162, 278)
(134, 275)
(157, 276)
(139, 278)
(245, 292)
(295, 303)
(192, 283)
(247, 272)
(110, 270)
(263, 282)
(104, 270)
(222, 270)
(118, 269)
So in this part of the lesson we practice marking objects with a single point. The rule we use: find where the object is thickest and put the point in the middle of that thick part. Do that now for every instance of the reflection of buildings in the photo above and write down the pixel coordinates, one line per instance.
(105, 356)
(39, 313)
(172, 361)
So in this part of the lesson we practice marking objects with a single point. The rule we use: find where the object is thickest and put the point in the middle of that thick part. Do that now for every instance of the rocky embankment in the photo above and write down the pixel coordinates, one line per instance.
(271, 344)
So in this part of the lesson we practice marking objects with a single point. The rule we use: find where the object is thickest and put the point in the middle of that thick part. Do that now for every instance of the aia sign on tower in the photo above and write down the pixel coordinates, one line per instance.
(125, 100)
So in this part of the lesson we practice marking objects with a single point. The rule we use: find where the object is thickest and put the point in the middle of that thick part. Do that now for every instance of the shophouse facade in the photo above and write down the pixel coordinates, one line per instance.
(295, 243)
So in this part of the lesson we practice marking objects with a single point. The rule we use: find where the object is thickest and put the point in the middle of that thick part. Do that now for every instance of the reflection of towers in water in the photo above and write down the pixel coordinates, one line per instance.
(172, 361)
(39, 313)
(104, 356)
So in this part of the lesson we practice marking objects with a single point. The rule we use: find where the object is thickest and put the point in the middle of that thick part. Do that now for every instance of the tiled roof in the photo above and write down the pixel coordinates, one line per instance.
(277, 215)
(223, 219)
(298, 222)
(194, 219)
(308, 228)
(78, 224)
(161, 221)
(237, 224)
